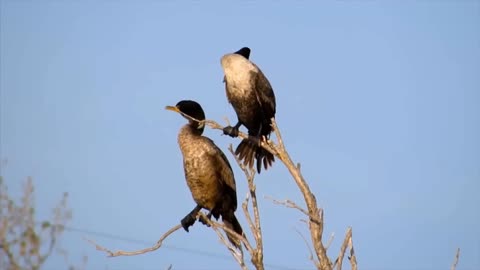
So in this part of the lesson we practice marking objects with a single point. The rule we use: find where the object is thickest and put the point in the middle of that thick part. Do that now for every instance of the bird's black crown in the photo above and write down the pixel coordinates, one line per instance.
(245, 52)
(191, 108)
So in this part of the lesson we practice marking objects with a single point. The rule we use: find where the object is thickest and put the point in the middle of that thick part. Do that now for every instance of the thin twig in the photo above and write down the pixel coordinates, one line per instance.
(267, 145)
(255, 227)
(352, 258)
(226, 120)
(137, 252)
(291, 204)
(316, 228)
(247, 214)
(310, 257)
(214, 125)
(236, 253)
(338, 262)
(238, 237)
(330, 240)
(455, 261)
(10, 256)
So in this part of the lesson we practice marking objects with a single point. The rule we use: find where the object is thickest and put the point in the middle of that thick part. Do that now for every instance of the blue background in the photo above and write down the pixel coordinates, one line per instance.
(379, 101)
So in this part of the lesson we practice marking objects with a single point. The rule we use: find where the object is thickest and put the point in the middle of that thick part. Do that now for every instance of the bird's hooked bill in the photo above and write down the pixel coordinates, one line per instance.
(172, 108)
(177, 110)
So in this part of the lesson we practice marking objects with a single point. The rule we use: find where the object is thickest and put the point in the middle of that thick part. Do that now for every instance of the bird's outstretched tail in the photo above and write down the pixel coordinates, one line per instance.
(248, 151)
(230, 221)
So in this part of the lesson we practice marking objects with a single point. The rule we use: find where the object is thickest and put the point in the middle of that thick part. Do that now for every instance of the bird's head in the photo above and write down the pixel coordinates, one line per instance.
(245, 52)
(190, 109)
(229, 60)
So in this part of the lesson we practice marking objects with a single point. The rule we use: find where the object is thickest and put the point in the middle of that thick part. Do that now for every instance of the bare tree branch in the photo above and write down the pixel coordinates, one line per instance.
(26, 245)
(236, 253)
(315, 214)
(255, 227)
(247, 214)
(338, 262)
(310, 257)
(330, 240)
(455, 261)
(316, 228)
(291, 204)
(352, 258)
(267, 145)
(347, 242)
(137, 252)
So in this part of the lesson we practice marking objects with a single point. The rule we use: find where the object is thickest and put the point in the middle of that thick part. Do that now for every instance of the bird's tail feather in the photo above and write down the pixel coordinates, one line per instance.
(230, 221)
(248, 151)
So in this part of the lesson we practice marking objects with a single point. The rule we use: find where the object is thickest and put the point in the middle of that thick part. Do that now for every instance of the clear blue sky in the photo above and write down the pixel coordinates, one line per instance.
(379, 101)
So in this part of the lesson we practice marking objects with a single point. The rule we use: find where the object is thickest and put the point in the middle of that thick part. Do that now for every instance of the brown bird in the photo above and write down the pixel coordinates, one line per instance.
(252, 98)
(207, 171)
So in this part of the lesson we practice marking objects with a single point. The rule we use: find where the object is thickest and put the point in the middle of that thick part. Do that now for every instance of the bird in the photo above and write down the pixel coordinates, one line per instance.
(252, 97)
(208, 173)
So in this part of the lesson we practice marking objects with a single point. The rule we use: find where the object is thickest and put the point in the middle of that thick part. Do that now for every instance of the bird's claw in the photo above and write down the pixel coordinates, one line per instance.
(187, 221)
(230, 131)
(204, 220)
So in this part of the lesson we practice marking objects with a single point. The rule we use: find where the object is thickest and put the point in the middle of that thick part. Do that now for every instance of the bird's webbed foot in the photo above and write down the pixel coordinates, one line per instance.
(232, 131)
(204, 220)
(189, 219)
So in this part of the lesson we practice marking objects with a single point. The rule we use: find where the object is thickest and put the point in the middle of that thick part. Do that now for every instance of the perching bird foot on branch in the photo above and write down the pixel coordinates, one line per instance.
(231, 131)
(204, 220)
(188, 221)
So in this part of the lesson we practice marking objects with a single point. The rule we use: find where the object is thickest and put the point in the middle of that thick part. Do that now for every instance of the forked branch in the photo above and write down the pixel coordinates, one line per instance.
(291, 204)
(314, 213)
(136, 252)
(255, 227)
(347, 243)
(236, 253)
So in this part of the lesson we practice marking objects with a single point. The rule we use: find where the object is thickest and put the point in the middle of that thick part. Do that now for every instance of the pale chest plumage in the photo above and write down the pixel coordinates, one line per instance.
(238, 74)
(240, 79)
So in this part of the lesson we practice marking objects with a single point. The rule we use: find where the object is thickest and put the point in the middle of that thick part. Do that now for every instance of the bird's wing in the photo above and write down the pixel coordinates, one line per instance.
(224, 169)
(264, 92)
(229, 97)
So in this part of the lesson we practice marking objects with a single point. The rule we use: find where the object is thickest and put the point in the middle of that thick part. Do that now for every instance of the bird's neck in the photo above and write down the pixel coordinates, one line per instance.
(189, 138)
(190, 132)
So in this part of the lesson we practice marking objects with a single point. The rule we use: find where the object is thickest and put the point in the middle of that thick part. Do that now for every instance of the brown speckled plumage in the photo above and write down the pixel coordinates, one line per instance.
(207, 172)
